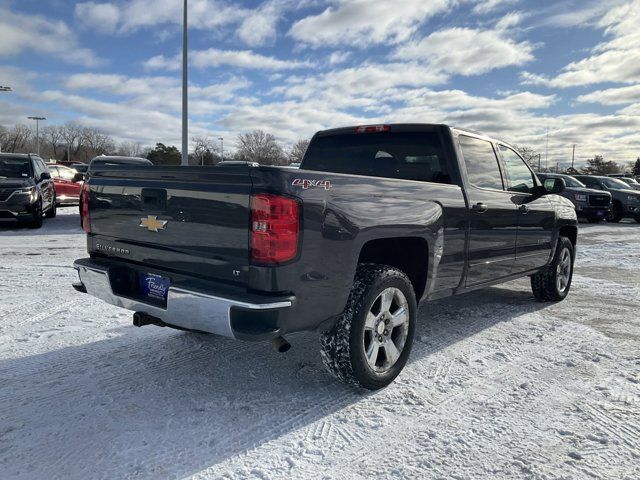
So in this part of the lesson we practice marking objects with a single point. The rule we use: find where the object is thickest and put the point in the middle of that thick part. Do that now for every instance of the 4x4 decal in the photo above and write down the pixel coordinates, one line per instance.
(306, 183)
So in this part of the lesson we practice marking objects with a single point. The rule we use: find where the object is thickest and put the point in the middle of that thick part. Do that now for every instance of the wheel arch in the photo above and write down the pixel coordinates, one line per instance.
(408, 254)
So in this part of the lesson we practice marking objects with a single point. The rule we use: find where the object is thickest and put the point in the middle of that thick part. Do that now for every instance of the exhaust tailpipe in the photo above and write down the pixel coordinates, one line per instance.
(140, 319)
(280, 344)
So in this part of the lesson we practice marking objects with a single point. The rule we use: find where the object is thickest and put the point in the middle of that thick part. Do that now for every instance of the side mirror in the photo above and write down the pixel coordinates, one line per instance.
(78, 177)
(45, 176)
(555, 185)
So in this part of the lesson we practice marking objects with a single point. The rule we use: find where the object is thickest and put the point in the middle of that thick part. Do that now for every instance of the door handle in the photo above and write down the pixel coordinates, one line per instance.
(523, 209)
(479, 207)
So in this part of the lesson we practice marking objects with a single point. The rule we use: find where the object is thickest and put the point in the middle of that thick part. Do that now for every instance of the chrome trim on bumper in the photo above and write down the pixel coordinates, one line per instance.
(185, 308)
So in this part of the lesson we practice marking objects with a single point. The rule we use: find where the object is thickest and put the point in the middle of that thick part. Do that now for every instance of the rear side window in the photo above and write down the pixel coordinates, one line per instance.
(406, 155)
(481, 162)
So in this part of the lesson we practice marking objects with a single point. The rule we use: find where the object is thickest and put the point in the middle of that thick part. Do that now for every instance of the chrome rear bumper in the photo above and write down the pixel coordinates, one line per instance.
(188, 309)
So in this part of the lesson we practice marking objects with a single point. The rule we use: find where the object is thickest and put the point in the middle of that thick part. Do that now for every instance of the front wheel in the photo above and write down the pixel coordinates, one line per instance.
(36, 220)
(637, 218)
(370, 343)
(553, 283)
(615, 215)
(51, 213)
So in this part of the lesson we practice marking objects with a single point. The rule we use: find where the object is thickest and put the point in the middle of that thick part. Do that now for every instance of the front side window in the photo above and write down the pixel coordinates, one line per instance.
(615, 184)
(591, 182)
(518, 172)
(481, 161)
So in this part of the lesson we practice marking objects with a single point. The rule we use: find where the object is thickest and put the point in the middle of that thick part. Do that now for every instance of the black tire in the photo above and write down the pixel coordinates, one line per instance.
(594, 219)
(36, 221)
(546, 284)
(615, 215)
(53, 210)
(343, 347)
(637, 218)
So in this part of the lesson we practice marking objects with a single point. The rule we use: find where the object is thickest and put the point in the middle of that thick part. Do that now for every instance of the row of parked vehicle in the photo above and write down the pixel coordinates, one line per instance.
(31, 189)
(597, 198)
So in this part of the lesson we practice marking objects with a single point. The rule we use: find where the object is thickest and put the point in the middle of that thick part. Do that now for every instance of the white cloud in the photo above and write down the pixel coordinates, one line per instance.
(465, 51)
(23, 32)
(582, 13)
(488, 6)
(102, 16)
(360, 23)
(259, 28)
(615, 60)
(613, 96)
(339, 57)
(214, 57)
(135, 14)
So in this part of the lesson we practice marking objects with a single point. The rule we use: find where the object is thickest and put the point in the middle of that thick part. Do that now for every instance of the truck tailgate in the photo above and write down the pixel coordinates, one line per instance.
(187, 220)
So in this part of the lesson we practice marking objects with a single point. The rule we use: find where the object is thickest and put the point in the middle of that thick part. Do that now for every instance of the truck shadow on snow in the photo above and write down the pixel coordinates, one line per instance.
(154, 403)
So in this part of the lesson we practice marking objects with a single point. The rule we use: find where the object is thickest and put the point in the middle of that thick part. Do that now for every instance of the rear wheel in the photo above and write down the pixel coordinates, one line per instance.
(370, 343)
(553, 283)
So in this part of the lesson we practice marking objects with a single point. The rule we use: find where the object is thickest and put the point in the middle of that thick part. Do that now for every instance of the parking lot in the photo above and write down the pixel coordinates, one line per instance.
(498, 385)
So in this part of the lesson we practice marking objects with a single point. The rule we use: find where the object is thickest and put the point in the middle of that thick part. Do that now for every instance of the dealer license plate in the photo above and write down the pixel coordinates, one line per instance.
(154, 287)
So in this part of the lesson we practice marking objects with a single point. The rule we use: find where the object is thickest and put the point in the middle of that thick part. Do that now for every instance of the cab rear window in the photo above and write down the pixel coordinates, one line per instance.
(405, 155)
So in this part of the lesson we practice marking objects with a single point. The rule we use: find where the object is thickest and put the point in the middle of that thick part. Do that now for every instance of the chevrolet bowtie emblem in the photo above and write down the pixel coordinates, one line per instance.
(152, 223)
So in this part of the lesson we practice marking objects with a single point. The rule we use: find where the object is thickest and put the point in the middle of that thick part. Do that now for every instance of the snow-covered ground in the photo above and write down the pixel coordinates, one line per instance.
(498, 385)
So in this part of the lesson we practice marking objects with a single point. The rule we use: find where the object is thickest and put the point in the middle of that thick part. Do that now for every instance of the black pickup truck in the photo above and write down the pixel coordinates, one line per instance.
(376, 219)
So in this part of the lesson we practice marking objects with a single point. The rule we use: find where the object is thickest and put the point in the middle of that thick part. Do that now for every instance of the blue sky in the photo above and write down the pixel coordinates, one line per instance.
(512, 68)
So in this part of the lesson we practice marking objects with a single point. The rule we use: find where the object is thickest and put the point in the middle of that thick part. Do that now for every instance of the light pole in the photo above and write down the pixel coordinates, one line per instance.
(546, 153)
(38, 120)
(185, 90)
(221, 147)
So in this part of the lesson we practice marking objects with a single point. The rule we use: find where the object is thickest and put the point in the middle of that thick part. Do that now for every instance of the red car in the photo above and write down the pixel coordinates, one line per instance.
(68, 184)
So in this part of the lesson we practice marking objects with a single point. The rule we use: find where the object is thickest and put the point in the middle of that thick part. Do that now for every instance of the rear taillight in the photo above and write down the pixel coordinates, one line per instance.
(85, 215)
(275, 225)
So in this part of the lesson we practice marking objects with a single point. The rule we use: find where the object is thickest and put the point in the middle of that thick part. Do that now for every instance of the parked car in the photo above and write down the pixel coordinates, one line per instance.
(80, 168)
(376, 219)
(632, 182)
(27, 191)
(594, 205)
(68, 184)
(625, 202)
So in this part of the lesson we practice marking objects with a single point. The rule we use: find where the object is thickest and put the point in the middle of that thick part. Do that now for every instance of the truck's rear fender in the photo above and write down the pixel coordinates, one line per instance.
(341, 214)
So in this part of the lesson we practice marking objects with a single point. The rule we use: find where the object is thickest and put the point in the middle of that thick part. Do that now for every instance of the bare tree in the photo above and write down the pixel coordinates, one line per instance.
(72, 135)
(529, 154)
(53, 136)
(96, 143)
(18, 139)
(259, 146)
(4, 135)
(205, 151)
(297, 151)
(130, 149)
